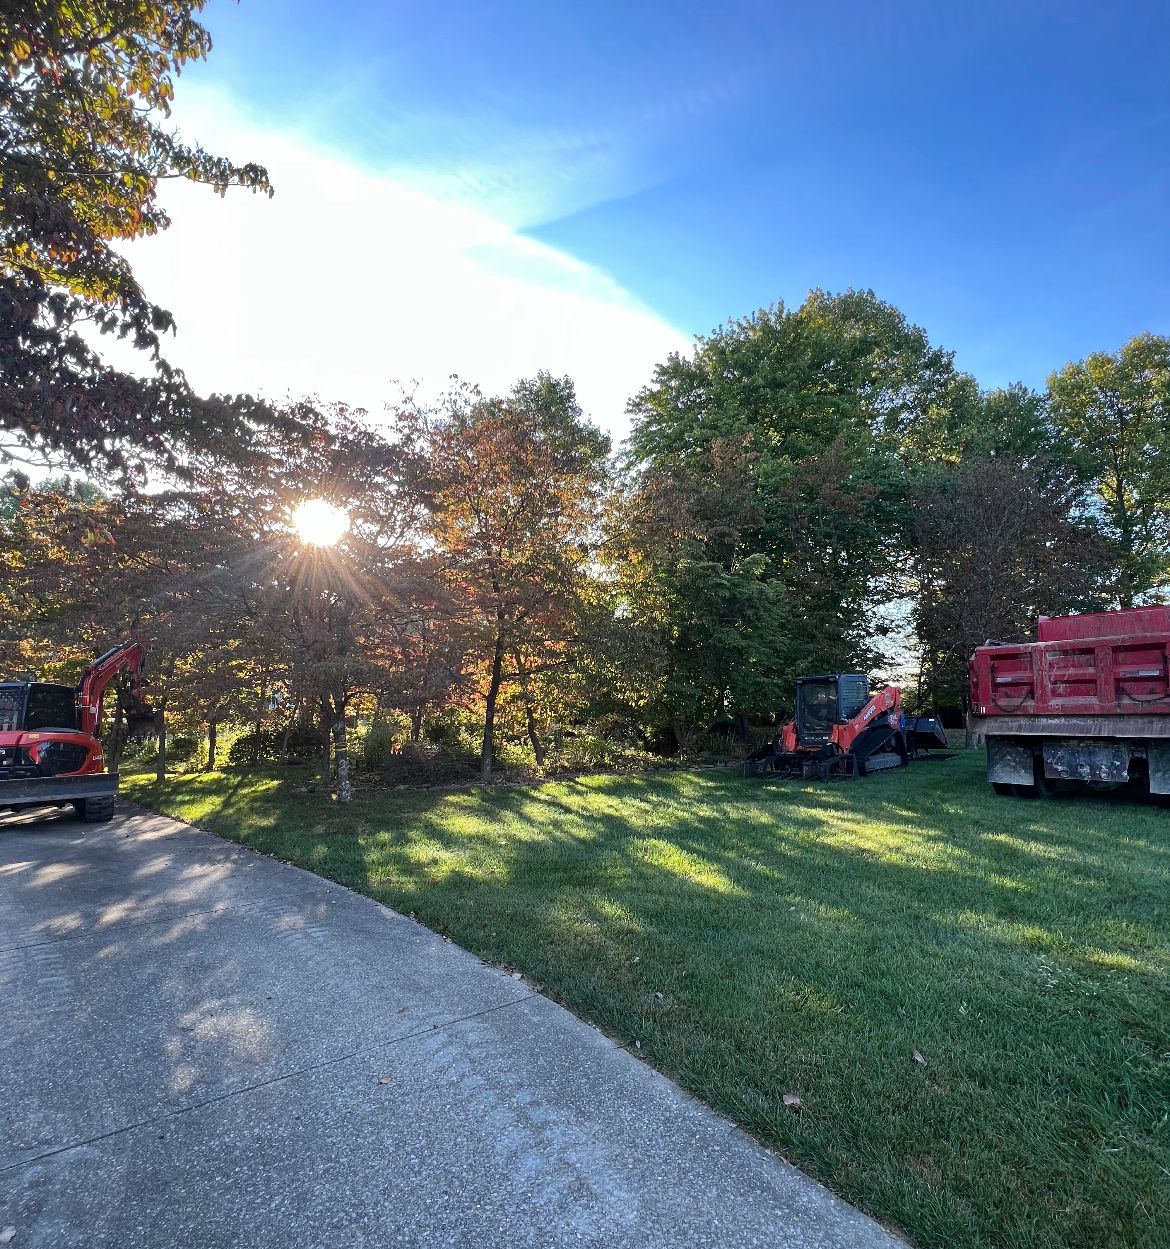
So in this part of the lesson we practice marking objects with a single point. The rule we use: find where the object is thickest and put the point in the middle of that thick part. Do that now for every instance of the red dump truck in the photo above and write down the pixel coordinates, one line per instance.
(1087, 702)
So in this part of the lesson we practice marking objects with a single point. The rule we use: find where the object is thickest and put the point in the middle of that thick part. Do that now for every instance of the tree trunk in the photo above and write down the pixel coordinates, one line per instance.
(325, 722)
(416, 719)
(341, 751)
(1126, 587)
(682, 736)
(160, 767)
(116, 747)
(529, 718)
(258, 723)
(282, 754)
(486, 756)
(117, 739)
(212, 743)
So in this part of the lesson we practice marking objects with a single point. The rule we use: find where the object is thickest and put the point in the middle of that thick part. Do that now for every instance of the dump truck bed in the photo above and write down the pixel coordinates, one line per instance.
(1100, 665)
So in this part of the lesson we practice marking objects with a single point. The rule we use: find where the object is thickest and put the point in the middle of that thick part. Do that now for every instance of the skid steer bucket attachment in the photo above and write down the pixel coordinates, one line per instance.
(925, 733)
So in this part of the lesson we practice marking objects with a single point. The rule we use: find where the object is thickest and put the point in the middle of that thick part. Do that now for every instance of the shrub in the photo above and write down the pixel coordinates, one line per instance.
(377, 746)
(719, 743)
(183, 747)
(424, 763)
(244, 749)
(304, 742)
(586, 750)
(303, 745)
(139, 748)
(445, 729)
(616, 727)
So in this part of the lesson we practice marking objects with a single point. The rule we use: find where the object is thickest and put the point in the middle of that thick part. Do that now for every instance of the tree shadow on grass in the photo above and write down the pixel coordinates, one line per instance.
(756, 939)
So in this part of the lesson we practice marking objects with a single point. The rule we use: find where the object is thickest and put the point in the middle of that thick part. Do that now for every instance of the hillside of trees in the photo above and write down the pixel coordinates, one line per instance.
(812, 488)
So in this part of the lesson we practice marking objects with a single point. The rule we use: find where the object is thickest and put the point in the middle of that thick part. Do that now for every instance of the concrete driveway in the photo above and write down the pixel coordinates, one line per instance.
(200, 1046)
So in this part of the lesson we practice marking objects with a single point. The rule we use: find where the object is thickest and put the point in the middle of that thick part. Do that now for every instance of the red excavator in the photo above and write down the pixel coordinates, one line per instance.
(50, 754)
(841, 730)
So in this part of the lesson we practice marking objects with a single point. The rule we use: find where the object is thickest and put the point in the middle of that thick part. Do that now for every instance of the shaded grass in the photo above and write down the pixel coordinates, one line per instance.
(759, 938)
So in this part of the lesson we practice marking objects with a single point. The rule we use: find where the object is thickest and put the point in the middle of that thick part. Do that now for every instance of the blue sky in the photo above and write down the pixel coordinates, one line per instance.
(998, 170)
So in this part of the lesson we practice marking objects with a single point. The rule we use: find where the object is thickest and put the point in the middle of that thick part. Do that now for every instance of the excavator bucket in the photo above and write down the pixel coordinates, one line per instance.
(141, 724)
(765, 759)
(141, 720)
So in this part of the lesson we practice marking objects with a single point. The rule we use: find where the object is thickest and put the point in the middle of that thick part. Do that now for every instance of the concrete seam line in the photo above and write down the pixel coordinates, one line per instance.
(308, 1069)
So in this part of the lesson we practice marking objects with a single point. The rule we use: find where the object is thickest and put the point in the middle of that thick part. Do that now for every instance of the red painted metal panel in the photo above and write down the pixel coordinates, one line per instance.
(1107, 663)
(1133, 622)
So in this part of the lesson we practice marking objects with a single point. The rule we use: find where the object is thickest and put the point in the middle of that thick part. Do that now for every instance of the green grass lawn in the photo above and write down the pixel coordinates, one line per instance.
(763, 938)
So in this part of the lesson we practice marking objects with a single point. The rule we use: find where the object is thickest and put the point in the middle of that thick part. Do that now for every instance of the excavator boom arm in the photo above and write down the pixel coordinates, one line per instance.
(99, 676)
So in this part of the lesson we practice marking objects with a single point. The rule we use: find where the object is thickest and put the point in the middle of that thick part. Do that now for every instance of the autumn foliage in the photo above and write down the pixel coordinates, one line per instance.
(814, 488)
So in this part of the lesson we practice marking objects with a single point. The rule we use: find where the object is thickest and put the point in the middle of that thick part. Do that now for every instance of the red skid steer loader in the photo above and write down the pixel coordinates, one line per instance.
(841, 730)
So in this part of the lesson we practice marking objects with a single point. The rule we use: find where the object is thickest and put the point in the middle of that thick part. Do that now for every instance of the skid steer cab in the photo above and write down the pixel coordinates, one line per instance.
(842, 730)
(50, 752)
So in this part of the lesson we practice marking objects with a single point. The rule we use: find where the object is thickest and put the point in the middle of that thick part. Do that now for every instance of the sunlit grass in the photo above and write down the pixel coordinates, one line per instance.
(757, 939)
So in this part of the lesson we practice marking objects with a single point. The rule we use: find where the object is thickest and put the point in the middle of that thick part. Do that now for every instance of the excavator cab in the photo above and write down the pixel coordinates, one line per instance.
(37, 706)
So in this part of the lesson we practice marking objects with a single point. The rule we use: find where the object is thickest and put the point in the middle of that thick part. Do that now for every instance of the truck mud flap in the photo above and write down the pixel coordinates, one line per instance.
(1009, 762)
(48, 790)
(1158, 757)
(1087, 760)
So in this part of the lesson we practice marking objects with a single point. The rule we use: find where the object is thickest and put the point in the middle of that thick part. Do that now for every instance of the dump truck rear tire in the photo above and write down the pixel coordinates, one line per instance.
(95, 810)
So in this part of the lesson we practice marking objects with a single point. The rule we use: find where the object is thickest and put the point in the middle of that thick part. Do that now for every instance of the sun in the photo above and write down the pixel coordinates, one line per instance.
(319, 523)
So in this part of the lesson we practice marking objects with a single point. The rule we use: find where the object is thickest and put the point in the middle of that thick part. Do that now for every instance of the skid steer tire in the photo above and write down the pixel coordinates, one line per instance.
(95, 810)
(1002, 789)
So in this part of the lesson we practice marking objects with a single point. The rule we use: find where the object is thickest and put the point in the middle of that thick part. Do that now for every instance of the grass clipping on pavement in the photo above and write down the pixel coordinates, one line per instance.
(952, 1008)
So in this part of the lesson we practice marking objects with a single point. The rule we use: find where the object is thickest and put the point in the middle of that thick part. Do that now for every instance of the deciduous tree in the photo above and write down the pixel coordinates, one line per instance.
(514, 485)
(827, 399)
(1115, 412)
(85, 90)
(996, 542)
(700, 626)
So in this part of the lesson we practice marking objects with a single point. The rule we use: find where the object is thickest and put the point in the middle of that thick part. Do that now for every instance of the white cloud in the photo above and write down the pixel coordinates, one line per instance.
(349, 280)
